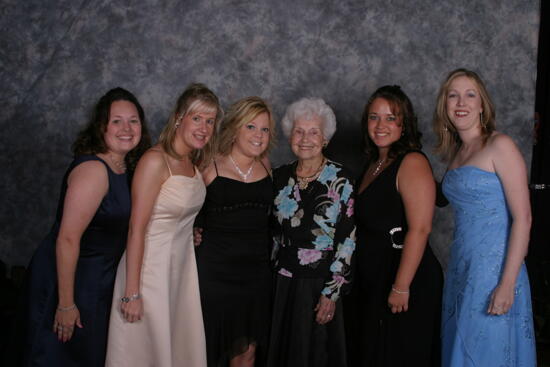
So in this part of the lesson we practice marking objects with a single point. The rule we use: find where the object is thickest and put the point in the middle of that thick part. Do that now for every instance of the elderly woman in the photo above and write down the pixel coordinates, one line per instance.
(233, 257)
(72, 273)
(398, 281)
(487, 318)
(315, 239)
(156, 317)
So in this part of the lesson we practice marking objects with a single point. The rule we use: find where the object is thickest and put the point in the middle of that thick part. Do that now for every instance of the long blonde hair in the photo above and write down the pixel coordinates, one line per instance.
(448, 140)
(241, 113)
(196, 97)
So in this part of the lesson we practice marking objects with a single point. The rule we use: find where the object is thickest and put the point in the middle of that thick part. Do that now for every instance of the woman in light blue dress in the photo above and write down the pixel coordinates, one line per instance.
(486, 317)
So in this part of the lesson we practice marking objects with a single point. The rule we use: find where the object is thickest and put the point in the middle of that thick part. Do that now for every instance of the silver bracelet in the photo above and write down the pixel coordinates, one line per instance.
(68, 308)
(393, 289)
(133, 297)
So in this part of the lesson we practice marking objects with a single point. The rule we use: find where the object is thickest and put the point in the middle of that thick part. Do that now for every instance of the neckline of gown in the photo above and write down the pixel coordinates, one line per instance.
(472, 167)
(377, 177)
(239, 181)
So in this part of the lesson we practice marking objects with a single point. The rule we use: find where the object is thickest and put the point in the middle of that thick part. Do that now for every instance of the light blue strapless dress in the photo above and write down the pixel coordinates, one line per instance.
(470, 336)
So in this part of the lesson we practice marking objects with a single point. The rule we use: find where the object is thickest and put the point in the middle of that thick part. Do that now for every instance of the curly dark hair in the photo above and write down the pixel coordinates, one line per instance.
(90, 139)
(401, 106)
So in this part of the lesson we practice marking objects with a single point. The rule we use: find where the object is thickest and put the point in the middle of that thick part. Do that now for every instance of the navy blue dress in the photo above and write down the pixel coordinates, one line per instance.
(101, 247)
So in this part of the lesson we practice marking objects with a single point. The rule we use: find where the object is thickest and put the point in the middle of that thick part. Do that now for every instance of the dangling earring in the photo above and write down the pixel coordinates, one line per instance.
(445, 128)
(177, 125)
(481, 119)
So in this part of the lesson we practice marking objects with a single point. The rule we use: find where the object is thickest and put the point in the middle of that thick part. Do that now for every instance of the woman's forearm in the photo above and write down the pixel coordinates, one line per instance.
(413, 250)
(67, 252)
(517, 249)
(134, 260)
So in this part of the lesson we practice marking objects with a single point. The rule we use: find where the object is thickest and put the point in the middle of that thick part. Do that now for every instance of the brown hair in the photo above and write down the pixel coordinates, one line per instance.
(90, 139)
(401, 106)
(448, 139)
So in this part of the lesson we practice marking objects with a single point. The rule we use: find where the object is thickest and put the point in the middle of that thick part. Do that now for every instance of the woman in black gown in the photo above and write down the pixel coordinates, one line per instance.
(397, 286)
(71, 275)
(233, 257)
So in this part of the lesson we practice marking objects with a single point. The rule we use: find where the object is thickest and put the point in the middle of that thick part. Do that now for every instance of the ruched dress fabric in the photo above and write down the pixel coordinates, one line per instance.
(101, 247)
(171, 331)
(234, 268)
(376, 336)
(470, 336)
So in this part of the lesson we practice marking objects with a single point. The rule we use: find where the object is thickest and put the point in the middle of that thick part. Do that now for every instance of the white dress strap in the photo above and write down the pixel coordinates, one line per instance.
(167, 165)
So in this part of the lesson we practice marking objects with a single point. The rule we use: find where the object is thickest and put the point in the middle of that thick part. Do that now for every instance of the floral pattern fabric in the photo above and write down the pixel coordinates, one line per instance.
(314, 233)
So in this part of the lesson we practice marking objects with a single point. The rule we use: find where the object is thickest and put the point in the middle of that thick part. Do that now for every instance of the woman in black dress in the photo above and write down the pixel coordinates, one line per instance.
(233, 256)
(397, 286)
(314, 235)
(71, 275)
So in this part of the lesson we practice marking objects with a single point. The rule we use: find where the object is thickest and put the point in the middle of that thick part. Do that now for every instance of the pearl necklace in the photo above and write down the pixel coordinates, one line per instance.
(243, 175)
(378, 167)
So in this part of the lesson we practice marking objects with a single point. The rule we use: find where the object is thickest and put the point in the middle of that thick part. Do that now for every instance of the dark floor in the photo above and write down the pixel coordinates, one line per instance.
(11, 284)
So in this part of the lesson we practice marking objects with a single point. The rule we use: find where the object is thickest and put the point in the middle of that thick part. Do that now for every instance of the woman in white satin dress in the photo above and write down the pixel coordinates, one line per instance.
(156, 317)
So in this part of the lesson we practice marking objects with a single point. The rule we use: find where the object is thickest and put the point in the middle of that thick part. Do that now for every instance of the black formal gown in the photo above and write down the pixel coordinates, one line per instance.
(101, 247)
(376, 336)
(234, 268)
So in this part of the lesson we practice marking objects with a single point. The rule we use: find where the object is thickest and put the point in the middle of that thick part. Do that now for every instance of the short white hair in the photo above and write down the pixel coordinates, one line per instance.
(307, 108)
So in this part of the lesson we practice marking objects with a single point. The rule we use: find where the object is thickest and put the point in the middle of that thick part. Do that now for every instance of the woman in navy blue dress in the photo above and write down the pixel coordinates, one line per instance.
(71, 275)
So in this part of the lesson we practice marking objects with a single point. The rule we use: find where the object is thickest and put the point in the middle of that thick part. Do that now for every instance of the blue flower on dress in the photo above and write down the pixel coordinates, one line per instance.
(328, 174)
(286, 208)
(323, 242)
(336, 267)
(346, 192)
(332, 213)
(347, 248)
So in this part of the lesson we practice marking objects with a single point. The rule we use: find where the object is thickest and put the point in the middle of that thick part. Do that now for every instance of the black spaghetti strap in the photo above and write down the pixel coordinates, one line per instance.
(262, 163)
(215, 167)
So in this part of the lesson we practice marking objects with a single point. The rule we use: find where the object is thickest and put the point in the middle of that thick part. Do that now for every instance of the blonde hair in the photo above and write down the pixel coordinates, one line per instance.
(239, 114)
(196, 97)
(448, 140)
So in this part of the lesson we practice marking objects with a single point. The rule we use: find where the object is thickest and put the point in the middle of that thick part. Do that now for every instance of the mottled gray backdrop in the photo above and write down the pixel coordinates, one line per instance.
(58, 57)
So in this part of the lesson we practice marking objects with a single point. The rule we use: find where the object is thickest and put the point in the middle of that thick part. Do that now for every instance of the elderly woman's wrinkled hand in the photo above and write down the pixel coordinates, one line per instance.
(325, 309)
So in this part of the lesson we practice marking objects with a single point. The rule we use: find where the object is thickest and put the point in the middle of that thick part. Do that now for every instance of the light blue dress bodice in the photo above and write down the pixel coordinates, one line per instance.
(470, 336)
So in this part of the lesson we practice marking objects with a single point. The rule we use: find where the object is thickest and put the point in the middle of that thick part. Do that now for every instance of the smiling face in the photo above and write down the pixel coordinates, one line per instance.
(123, 131)
(252, 138)
(307, 139)
(384, 126)
(195, 129)
(464, 104)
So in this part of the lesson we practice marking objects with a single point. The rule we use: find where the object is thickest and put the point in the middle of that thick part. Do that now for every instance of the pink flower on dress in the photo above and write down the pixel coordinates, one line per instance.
(332, 194)
(285, 273)
(338, 279)
(297, 193)
(349, 211)
(308, 256)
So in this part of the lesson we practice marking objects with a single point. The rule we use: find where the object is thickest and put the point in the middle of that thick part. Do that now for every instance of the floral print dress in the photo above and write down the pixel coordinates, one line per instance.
(314, 240)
